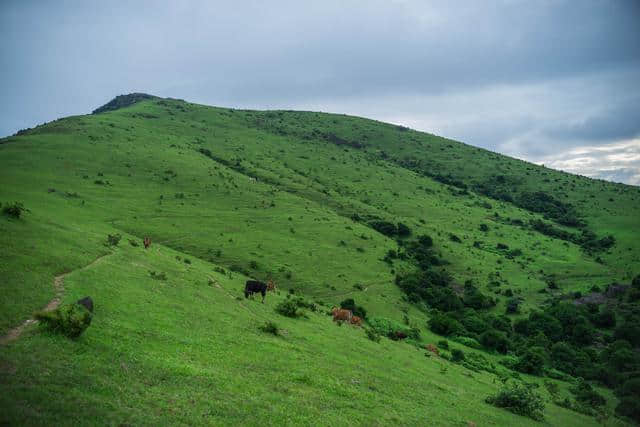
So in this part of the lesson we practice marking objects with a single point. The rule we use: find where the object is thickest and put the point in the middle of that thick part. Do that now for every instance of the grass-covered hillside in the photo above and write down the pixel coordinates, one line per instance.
(519, 275)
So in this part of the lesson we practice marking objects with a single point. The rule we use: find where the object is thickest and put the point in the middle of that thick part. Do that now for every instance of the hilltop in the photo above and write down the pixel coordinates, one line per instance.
(437, 240)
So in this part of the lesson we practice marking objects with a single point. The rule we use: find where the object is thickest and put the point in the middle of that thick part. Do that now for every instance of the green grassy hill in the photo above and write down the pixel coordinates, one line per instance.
(301, 198)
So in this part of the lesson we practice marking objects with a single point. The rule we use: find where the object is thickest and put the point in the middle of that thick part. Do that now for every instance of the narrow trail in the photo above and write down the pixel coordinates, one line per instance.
(58, 286)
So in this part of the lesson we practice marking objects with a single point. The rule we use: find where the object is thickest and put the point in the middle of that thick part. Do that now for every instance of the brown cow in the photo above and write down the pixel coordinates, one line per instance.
(271, 286)
(147, 242)
(356, 320)
(341, 314)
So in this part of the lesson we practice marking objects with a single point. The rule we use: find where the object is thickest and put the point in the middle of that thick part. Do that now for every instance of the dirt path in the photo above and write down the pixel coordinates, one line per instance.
(58, 286)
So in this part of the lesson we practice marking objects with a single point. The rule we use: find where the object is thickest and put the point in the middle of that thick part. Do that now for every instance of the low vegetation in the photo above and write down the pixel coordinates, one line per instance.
(70, 320)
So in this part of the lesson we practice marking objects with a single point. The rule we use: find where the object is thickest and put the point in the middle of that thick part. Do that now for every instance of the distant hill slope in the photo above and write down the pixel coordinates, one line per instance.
(329, 206)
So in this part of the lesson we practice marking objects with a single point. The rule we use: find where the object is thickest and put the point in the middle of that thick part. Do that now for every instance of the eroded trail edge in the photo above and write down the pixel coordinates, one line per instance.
(58, 286)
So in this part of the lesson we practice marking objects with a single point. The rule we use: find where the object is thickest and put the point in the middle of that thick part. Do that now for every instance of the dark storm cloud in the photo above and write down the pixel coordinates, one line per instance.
(524, 78)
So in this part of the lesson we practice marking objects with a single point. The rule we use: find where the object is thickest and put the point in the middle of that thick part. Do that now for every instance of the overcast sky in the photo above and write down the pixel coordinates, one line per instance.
(553, 82)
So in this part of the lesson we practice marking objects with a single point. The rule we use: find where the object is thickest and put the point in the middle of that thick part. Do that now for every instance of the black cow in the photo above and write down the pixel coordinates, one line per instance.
(253, 287)
(86, 302)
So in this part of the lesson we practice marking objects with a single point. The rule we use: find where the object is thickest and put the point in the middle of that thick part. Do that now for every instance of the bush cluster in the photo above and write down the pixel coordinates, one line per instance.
(70, 320)
(270, 327)
(289, 308)
(14, 210)
(392, 329)
(520, 399)
(390, 229)
(113, 239)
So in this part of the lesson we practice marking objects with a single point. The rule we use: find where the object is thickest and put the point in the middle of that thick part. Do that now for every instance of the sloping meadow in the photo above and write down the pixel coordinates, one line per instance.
(327, 206)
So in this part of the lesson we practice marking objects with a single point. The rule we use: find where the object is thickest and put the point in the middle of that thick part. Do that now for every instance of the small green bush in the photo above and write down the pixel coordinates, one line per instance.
(532, 361)
(270, 327)
(113, 239)
(372, 334)
(392, 329)
(468, 341)
(443, 344)
(629, 407)
(14, 210)
(288, 308)
(520, 399)
(303, 303)
(158, 276)
(444, 324)
(585, 394)
(457, 355)
(70, 320)
(477, 362)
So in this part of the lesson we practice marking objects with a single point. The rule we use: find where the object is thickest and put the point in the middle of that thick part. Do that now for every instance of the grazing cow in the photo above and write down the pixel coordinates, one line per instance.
(271, 286)
(87, 303)
(356, 320)
(147, 242)
(341, 314)
(254, 287)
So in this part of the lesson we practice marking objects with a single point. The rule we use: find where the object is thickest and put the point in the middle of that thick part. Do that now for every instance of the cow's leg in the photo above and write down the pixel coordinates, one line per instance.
(263, 294)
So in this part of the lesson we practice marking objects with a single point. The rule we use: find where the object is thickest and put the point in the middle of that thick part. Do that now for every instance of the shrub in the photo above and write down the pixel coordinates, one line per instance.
(270, 327)
(563, 356)
(605, 318)
(631, 387)
(113, 239)
(454, 238)
(519, 399)
(70, 320)
(532, 362)
(158, 276)
(443, 344)
(372, 334)
(552, 388)
(586, 394)
(403, 230)
(288, 308)
(484, 227)
(134, 243)
(629, 407)
(444, 324)
(14, 211)
(495, 340)
(457, 355)
(392, 329)
(384, 227)
(303, 303)
(513, 306)
(468, 341)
